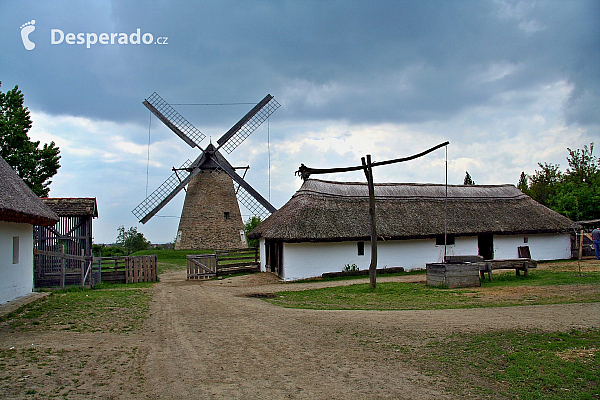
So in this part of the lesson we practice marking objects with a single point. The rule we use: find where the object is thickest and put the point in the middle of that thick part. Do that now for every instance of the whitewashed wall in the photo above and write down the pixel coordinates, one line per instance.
(15, 279)
(541, 247)
(305, 260)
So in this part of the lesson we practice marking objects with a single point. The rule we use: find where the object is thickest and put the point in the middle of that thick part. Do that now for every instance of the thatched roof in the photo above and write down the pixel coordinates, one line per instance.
(18, 203)
(71, 207)
(337, 211)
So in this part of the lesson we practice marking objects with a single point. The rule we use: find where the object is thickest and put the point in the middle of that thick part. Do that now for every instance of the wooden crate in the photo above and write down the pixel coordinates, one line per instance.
(453, 275)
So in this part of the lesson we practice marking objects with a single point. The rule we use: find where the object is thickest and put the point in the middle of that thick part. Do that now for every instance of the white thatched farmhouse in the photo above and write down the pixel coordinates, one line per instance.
(20, 209)
(325, 226)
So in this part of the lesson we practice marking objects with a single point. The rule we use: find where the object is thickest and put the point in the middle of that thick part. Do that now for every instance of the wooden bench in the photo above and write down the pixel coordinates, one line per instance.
(522, 263)
(518, 264)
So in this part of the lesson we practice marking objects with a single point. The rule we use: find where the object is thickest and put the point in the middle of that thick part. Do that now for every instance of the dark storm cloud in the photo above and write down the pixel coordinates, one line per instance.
(382, 61)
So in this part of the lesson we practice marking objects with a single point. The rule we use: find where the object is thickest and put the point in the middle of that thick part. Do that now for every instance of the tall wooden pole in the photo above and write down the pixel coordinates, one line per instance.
(368, 168)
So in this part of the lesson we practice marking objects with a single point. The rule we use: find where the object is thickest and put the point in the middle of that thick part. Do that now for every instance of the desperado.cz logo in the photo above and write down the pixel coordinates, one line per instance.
(57, 36)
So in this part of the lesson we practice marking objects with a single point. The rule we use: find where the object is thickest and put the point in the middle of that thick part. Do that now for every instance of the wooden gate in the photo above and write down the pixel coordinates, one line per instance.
(62, 269)
(201, 266)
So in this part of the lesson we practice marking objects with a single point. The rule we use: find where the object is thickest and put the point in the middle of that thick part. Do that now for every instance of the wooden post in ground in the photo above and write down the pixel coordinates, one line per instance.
(82, 263)
(373, 266)
(580, 252)
(62, 267)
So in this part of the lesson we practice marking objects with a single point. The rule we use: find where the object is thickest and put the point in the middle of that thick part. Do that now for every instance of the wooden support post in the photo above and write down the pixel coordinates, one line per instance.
(581, 244)
(373, 266)
(82, 263)
(580, 252)
(62, 267)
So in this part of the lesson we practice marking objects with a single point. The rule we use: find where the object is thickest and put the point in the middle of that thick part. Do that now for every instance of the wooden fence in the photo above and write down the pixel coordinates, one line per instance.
(62, 269)
(222, 262)
(141, 269)
(128, 269)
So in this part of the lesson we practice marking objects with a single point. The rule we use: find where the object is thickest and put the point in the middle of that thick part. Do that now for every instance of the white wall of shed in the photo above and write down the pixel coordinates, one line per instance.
(16, 280)
(306, 260)
(541, 246)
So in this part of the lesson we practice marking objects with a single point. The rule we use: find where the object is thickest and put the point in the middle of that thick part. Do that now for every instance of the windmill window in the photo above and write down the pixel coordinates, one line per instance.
(361, 248)
(439, 240)
(226, 215)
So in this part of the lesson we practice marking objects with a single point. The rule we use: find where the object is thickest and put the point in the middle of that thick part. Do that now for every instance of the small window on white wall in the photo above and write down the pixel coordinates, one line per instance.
(361, 248)
(439, 240)
(15, 249)
(525, 239)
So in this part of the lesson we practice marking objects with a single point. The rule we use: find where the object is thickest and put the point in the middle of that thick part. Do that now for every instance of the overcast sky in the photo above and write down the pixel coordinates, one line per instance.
(508, 83)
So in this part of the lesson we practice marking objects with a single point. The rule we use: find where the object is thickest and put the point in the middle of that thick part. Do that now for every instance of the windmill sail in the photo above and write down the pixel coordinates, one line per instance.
(175, 121)
(246, 194)
(248, 124)
(251, 204)
(163, 194)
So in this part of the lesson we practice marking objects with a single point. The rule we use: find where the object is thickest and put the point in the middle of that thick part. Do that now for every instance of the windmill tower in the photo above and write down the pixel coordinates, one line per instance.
(211, 215)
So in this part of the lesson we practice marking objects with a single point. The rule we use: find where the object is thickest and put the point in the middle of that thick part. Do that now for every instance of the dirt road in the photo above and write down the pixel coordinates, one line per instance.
(209, 340)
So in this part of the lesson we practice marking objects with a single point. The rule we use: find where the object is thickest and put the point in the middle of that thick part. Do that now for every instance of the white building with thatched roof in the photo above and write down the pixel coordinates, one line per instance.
(20, 209)
(325, 226)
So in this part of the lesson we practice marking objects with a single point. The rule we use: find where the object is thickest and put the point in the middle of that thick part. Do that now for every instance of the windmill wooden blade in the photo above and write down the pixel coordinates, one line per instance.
(164, 193)
(248, 124)
(246, 194)
(175, 121)
(255, 207)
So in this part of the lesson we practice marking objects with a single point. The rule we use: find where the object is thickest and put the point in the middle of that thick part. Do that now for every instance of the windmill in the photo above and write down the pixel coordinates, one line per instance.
(211, 215)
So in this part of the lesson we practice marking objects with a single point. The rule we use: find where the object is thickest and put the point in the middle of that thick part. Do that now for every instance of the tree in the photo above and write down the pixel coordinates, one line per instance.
(131, 240)
(574, 193)
(107, 251)
(583, 165)
(544, 183)
(468, 180)
(33, 164)
(250, 224)
(523, 184)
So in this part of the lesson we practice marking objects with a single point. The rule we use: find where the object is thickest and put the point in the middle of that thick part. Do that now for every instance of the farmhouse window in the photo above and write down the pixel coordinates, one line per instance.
(439, 240)
(15, 249)
(525, 239)
(361, 248)
(226, 215)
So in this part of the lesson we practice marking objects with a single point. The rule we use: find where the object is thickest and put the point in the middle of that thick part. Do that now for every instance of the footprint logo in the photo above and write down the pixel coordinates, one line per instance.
(26, 29)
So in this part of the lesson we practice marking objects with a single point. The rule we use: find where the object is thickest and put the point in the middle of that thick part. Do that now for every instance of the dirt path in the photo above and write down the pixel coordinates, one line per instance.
(208, 340)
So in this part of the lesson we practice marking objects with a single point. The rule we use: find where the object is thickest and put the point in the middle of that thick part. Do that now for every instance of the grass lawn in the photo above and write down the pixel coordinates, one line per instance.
(557, 283)
(116, 308)
(518, 365)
